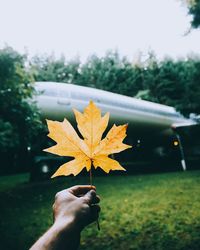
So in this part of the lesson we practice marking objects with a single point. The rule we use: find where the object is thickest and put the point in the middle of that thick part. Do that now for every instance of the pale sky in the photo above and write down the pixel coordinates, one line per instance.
(83, 27)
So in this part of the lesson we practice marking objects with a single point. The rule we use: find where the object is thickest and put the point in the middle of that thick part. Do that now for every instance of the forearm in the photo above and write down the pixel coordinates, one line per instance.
(59, 237)
(73, 210)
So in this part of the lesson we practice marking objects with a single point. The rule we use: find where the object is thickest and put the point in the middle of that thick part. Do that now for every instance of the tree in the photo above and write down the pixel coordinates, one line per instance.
(19, 118)
(194, 10)
(173, 83)
(111, 73)
(48, 68)
(193, 87)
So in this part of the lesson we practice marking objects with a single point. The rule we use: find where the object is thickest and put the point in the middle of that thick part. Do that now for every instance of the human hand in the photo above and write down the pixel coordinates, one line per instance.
(76, 205)
(73, 209)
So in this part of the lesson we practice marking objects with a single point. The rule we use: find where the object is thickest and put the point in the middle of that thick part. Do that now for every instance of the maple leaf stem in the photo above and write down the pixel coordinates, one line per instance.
(97, 221)
(98, 225)
(91, 176)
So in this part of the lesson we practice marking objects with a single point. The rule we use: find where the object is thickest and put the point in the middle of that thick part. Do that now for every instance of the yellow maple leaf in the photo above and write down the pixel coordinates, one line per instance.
(91, 150)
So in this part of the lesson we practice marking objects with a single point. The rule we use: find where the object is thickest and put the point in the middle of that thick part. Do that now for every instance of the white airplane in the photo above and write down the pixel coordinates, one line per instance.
(147, 120)
(56, 101)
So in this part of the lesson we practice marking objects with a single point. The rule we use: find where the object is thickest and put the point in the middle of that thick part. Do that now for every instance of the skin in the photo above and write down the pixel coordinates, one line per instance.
(74, 208)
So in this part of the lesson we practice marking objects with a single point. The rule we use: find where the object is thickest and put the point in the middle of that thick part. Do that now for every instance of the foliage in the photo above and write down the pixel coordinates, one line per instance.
(48, 68)
(160, 211)
(91, 150)
(19, 120)
(174, 83)
(111, 73)
(194, 10)
(6, 133)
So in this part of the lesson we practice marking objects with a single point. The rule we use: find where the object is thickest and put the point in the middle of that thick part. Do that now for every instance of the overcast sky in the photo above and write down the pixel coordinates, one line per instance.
(84, 27)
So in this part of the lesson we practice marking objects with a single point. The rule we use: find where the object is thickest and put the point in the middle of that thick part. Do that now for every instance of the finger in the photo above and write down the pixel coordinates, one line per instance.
(96, 199)
(93, 200)
(80, 190)
(95, 210)
(90, 197)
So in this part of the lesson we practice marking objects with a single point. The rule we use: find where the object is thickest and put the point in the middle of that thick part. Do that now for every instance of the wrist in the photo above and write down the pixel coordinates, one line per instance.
(66, 226)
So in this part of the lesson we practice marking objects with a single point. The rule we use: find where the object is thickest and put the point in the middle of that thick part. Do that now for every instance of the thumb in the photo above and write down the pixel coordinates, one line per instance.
(90, 197)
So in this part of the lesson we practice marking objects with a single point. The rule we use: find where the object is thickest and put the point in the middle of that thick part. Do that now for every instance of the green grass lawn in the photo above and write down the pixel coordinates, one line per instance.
(157, 211)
